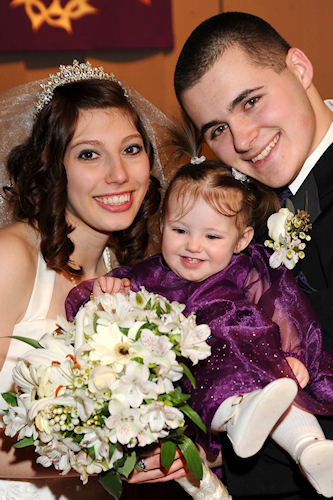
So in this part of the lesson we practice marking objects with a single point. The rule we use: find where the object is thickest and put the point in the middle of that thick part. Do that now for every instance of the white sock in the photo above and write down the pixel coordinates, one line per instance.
(295, 430)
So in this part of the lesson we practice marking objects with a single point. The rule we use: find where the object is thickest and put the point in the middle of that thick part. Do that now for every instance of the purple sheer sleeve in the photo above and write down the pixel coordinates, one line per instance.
(277, 294)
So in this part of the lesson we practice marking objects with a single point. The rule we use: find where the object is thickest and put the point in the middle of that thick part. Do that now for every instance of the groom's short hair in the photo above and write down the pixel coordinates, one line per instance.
(263, 44)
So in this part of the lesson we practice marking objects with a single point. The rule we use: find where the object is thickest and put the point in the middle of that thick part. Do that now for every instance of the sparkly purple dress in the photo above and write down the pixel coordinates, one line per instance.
(257, 316)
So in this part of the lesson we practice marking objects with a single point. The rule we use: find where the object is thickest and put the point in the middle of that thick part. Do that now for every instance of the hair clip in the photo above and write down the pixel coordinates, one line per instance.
(239, 176)
(196, 160)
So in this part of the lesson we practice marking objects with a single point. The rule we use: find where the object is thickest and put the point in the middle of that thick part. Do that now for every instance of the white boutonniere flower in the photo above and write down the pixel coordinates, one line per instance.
(288, 233)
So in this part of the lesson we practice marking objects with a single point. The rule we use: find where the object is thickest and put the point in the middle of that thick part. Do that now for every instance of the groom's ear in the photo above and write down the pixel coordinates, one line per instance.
(300, 65)
(244, 239)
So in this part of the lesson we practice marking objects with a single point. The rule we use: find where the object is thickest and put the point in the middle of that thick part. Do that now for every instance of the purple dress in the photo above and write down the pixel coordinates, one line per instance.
(257, 316)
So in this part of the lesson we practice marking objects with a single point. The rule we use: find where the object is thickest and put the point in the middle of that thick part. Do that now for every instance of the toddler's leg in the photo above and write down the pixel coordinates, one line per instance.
(248, 419)
(300, 434)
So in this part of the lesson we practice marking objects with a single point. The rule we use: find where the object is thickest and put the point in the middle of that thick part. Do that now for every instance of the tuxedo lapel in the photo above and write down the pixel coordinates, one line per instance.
(317, 189)
(307, 197)
(323, 173)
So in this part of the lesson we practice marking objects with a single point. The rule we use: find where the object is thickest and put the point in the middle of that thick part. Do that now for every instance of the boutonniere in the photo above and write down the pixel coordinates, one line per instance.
(288, 233)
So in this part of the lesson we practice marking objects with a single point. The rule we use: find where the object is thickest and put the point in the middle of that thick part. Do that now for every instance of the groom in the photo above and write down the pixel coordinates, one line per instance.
(252, 98)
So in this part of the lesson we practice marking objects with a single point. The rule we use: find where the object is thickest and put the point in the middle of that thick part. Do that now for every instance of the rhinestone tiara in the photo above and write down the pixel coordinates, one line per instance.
(72, 73)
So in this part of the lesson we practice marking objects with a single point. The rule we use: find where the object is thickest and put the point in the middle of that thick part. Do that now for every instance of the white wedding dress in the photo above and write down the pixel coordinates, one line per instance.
(34, 325)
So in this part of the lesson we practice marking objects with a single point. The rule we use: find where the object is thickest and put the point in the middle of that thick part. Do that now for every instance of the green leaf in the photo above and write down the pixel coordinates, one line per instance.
(78, 437)
(168, 452)
(112, 447)
(91, 452)
(24, 442)
(138, 359)
(95, 321)
(192, 457)
(34, 343)
(178, 397)
(111, 482)
(10, 398)
(123, 330)
(188, 374)
(290, 206)
(158, 310)
(139, 299)
(193, 415)
(129, 465)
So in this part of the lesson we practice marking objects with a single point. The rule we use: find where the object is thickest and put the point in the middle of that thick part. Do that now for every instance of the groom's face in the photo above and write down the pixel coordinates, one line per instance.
(254, 119)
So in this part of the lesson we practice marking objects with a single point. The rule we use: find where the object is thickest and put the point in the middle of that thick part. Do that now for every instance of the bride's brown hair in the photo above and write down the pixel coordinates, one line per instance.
(38, 192)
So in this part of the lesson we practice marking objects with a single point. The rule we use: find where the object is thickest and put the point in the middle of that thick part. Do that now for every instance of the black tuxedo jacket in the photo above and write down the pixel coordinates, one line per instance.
(315, 272)
(271, 473)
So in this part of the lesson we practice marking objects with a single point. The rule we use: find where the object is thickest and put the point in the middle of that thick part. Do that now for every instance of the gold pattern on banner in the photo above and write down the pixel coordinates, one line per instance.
(55, 15)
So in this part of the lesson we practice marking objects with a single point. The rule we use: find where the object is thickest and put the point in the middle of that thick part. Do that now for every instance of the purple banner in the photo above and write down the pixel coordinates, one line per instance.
(46, 25)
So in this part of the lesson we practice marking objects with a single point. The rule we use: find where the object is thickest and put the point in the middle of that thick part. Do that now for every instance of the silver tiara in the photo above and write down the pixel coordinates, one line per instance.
(72, 73)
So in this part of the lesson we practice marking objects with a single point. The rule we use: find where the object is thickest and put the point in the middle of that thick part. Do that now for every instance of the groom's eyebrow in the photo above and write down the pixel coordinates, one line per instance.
(239, 98)
(209, 125)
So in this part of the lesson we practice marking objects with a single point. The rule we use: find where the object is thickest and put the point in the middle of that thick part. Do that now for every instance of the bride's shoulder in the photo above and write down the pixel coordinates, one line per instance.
(19, 245)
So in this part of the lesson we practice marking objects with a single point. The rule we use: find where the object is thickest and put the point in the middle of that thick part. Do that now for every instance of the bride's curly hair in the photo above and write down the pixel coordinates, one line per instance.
(38, 191)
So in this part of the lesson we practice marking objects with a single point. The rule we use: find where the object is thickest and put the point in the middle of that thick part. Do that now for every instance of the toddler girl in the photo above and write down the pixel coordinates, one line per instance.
(267, 374)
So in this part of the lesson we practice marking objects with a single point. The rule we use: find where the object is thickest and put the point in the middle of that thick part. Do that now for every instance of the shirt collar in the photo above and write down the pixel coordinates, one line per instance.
(314, 156)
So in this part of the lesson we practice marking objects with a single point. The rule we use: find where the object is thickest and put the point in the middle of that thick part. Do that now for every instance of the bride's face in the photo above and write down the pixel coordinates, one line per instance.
(107, 170)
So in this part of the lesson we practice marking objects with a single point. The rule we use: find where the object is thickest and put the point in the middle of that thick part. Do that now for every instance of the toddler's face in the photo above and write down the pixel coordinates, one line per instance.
(201, 242)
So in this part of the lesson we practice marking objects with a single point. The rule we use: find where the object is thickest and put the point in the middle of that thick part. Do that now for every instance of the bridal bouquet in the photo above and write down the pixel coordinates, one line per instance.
(97, 392)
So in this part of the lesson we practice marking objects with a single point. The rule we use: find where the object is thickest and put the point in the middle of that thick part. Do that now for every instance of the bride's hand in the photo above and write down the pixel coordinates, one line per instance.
(153, 471)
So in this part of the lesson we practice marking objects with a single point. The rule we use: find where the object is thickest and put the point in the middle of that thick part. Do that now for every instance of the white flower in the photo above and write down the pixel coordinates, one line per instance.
(54, 349)
(157, 350)
(58, 452)
(109, 346)
(25, 377)
(96, 382)
(134, 385)
(160, 416)
(276, 224)
(283, 256)
(17, 420)
(193, 345)
(125, 426)
(287, 232)
(101, 378)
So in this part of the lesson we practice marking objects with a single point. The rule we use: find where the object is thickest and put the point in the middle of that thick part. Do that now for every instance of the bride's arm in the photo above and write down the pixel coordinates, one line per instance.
(17, 275)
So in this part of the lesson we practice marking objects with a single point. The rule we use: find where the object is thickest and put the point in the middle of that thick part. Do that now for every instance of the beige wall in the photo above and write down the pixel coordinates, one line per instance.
(305, 23)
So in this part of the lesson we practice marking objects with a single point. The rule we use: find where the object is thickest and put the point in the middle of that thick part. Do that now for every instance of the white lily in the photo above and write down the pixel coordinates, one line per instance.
(134, 385)
(193, 343)
(154, 349)
(125, 426)
(160, 416)
(17, 420)
(54, 349)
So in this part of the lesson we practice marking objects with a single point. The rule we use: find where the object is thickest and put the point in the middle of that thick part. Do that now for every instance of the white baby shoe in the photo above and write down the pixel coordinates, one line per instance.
(316, 463)
(248, 419)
